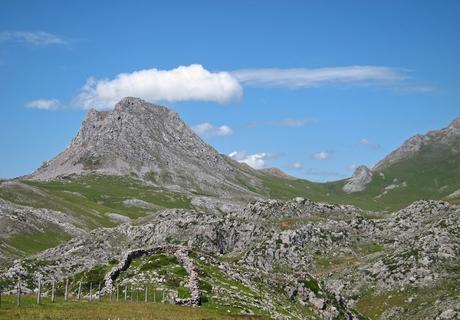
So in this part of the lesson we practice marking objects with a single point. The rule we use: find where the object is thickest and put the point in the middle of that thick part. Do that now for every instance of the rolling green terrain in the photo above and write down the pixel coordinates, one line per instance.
(433, 173)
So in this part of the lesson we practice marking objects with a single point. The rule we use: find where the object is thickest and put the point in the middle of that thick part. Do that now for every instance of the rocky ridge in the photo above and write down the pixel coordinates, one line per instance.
(411, 249)
(361, 177)
(413, 145)
(149, 142)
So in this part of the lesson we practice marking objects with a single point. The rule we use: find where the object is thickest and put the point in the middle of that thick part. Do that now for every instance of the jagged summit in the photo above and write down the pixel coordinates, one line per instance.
(455, 124)
(361, 177)
(144, 140)
(448, 137)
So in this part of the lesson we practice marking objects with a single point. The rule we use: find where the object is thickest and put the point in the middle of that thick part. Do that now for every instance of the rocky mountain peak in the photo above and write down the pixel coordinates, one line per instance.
(361, 177)
(455, 124)
(143, 140)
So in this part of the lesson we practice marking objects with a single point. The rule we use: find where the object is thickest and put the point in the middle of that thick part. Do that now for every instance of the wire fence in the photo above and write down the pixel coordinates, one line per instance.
(80, 291)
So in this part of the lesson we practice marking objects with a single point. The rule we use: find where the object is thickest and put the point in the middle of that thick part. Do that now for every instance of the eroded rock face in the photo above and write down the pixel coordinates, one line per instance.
(361, 177)
(147, 141)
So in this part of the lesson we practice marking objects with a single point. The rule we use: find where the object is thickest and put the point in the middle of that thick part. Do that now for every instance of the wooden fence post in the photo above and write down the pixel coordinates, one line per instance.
(163, 301)
(126, 292)
(146, 294)
(90, 291)
(66, 292)
(52, 293)
(39, 290)
(131, 296)
(18, 293)
(79, 291)
(154, 294)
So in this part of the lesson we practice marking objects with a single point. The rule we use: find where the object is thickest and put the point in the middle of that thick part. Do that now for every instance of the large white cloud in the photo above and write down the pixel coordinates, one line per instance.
(208, 130)
(256, 160)
(191, 83)
(302, 77)
(43, 104)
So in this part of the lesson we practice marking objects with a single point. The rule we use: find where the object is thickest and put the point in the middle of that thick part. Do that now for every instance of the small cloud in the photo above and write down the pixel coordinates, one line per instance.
(292, 122)
(416, 89)
(184, 83)
(322, 155)
(353, 167)
(44, 104)
(208, 130)
(36, 38)
(323, 175)
(256, 160)
(366, 142)
(297, 165)
(288, 122)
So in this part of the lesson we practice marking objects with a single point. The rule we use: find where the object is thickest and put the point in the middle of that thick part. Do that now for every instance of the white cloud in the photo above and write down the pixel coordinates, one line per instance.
(322, 155)
(209, 130)
(44, 104)
(192, 83)
(302, 77)
(366, 142)
(297, 165)
(37, 38)
(288, 122)
(256, 160)
(292, 122)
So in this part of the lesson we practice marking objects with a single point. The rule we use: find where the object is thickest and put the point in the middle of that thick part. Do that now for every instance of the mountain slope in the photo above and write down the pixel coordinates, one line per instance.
(424, 167)
(141, 158)
(149, 142)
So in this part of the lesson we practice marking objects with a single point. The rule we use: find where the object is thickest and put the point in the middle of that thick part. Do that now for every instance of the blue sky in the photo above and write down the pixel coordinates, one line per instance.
(312, 87)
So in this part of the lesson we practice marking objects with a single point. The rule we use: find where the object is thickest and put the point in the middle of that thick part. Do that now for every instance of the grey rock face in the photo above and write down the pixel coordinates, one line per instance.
(413, 145)
(361, 177)
(146, 141)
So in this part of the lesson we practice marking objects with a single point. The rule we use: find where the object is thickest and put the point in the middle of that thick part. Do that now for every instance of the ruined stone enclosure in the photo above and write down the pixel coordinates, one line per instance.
(182, 255)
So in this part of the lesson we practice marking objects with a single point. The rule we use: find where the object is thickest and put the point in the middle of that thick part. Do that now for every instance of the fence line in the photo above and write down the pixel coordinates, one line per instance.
(75, 292)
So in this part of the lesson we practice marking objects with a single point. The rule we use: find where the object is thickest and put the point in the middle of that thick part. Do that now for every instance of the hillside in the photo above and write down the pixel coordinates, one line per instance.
(286, 260)
(141, 158)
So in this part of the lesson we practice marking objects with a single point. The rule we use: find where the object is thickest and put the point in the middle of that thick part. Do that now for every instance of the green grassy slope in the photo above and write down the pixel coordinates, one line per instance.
(88, 199)
(433, 173)
(96, 310)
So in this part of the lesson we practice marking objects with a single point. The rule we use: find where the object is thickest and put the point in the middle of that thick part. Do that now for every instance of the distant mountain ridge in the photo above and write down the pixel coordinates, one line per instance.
(448, 136)
(426, 148)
